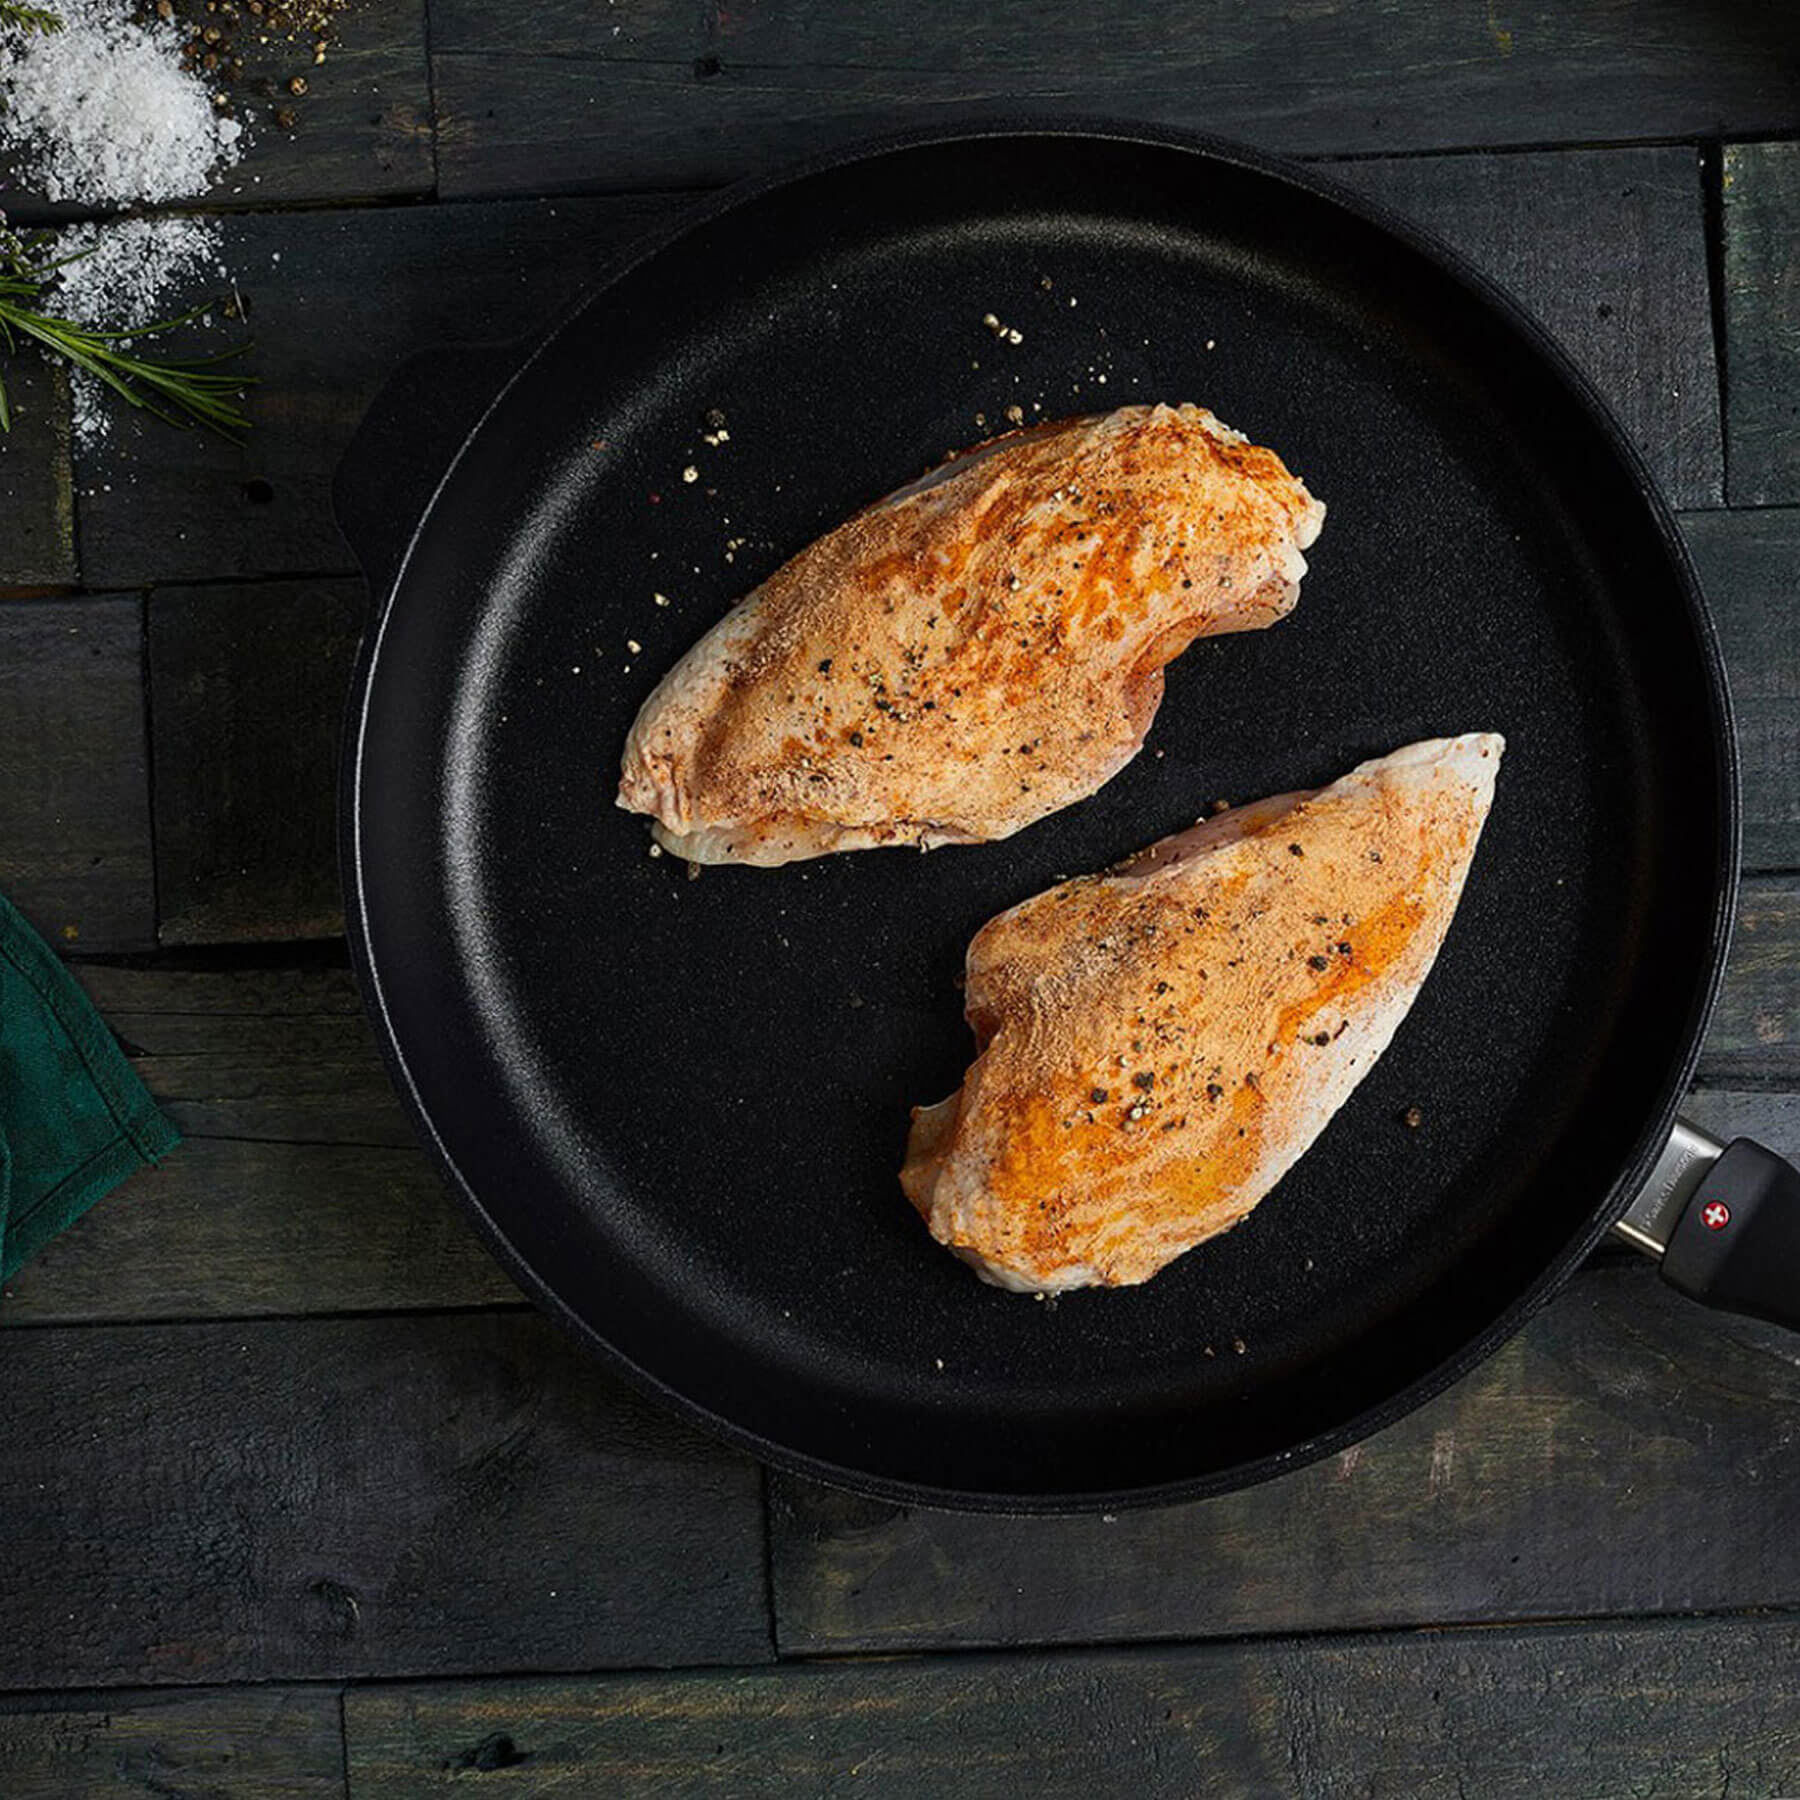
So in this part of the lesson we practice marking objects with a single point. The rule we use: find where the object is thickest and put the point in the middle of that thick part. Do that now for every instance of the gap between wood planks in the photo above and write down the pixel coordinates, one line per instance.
(21, 1701)
(1329, 1715)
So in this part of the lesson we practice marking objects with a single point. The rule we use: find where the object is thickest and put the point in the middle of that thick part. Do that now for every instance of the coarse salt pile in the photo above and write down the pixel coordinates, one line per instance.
(122, 273)
(103, 114)
(123, 268)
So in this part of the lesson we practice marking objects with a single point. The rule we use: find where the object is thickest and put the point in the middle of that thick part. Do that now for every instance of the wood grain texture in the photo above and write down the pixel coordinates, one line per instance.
(1762, 314)
(74, 801)
(686, 96)
(1608, 249)
(37, 502)
(336, 301)
(247, 688)
(299, 1188)
(1622, 1401)
(239, 1230)
(274, 1743)
(1609, 1713)
(269, 1055)
(1755, 1031)
(1771, 1117)
(458, 1493)
(362, 126)
(638, 31)
(1749, 563)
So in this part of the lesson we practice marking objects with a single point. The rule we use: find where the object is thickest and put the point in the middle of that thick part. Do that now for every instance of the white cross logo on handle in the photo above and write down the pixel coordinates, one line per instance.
(1716, 1216)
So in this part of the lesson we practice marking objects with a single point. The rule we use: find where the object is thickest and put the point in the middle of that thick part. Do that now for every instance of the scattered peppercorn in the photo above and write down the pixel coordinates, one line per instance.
(1413, 1117)
(1099, 1096)
(1318, 962)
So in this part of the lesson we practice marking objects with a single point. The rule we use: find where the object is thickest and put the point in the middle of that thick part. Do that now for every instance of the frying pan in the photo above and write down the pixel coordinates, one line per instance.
(675, 1107)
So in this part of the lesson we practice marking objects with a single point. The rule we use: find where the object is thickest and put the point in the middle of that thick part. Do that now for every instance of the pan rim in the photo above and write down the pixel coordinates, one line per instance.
(1560, 1266)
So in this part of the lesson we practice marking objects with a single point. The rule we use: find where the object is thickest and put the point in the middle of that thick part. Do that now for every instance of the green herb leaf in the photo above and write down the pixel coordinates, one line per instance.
(180, 390)
(29, 18)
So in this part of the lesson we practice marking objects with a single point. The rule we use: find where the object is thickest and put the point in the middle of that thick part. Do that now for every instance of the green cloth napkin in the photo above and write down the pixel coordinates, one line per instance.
(74, 1119)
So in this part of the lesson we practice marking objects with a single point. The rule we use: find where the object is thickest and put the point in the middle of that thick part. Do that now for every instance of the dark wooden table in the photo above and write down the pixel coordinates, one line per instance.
(297, 1497)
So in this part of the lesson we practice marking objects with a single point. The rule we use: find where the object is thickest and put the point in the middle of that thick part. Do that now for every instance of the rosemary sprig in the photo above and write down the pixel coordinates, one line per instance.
(29, 18)
(180, 390)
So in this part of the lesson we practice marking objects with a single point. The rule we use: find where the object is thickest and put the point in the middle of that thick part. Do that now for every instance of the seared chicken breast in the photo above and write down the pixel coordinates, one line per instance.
(975, 651)
(1159, 1045)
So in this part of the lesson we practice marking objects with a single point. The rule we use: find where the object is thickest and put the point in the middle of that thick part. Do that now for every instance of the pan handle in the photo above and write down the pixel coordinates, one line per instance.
(1723, 1222)
(408, 438)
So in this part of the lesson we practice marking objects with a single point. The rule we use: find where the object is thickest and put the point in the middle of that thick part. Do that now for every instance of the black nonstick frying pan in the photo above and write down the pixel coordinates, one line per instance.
(676, 1107)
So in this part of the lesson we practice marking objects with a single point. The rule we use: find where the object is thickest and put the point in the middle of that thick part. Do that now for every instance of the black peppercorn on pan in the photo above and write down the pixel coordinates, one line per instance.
(676, 1106)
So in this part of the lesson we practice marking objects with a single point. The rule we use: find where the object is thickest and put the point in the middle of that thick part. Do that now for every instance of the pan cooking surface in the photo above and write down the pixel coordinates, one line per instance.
(681, 1103)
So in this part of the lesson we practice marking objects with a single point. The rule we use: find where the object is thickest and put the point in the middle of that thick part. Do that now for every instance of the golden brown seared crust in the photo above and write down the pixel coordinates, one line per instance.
(1158, 1045)
(975, 651)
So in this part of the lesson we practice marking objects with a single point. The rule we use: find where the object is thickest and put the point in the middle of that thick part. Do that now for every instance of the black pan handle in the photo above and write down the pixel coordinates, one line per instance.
(1724, 1223)
(407, 440)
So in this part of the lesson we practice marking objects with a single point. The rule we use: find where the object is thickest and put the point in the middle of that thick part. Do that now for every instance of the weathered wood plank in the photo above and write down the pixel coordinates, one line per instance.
(1749, 562)
(686, 96)
(299, 1188)
(1621, 1401)
(75, 803)
(37, 501)
(458, 1493)
(1755, 1033)
(247, 689)
(361, 125)
(279, 1055)
(232, 1230)
(1762, 322)
(272, 1742)
(1608, 249)
(1772, 1118)
(1611, 1713)
(633, 32)
(336, 300)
